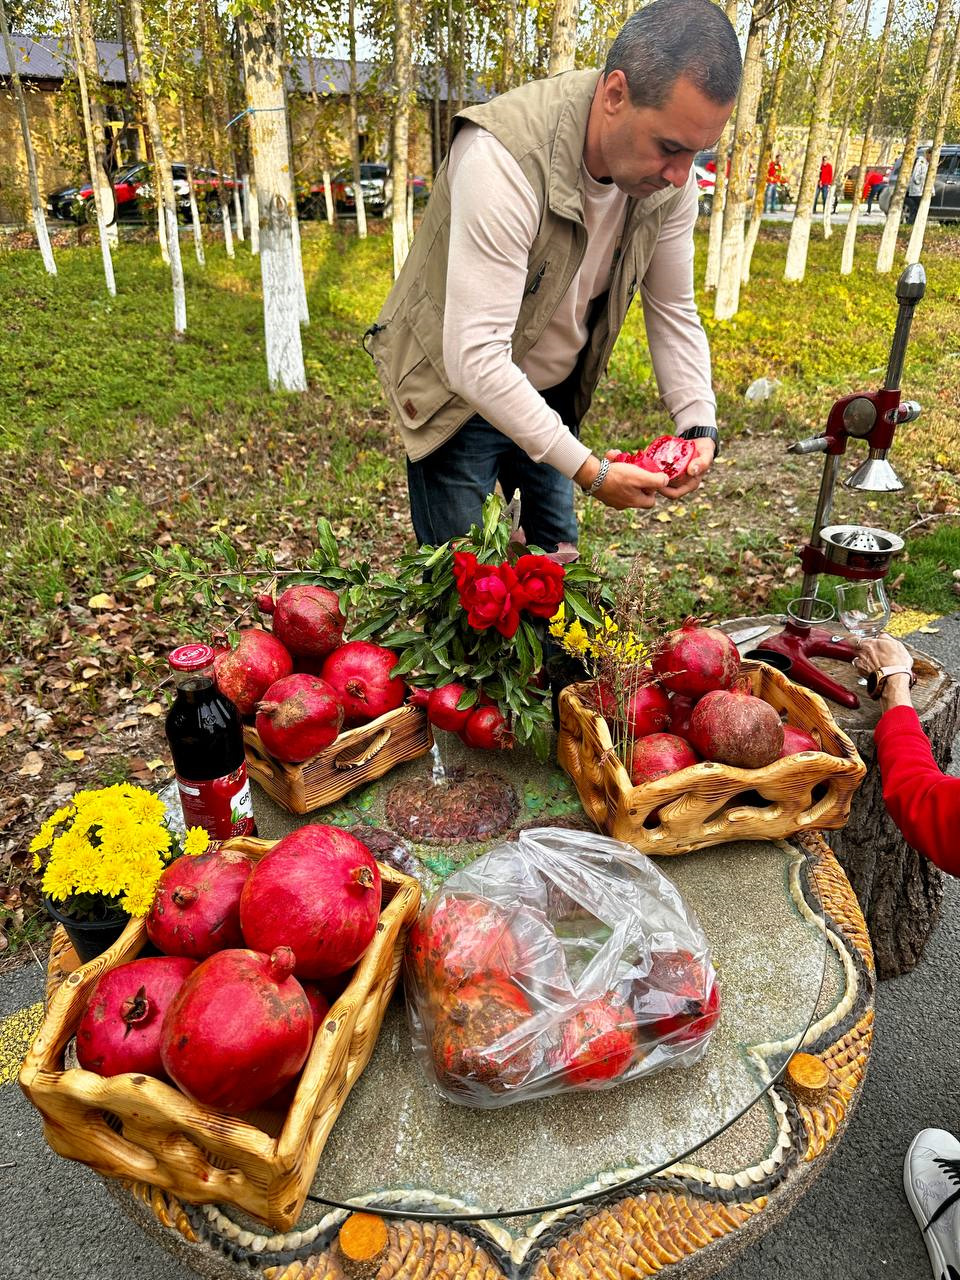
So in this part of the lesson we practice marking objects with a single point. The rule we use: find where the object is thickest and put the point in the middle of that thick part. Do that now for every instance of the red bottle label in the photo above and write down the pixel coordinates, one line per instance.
(222, 806)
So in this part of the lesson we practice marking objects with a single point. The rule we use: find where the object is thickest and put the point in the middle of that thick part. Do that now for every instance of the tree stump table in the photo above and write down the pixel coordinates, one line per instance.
(899, 891)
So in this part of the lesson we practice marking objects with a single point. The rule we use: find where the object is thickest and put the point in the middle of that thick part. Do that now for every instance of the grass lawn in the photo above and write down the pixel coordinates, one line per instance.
(115, 437)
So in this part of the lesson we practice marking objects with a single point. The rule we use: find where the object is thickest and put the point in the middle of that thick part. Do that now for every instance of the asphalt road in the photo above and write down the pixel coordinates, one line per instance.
(57, 1222)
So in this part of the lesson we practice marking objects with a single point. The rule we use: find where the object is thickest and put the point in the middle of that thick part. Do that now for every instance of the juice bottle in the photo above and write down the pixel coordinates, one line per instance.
(206, 741)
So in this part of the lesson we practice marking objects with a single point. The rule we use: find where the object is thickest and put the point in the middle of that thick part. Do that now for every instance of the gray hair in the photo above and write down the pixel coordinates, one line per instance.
(672, 38)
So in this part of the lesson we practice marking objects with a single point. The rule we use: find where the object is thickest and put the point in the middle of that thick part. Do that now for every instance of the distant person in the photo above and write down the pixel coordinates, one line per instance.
(925, 805)
(918, 177)
(774, 182)
(824, 183)
(871, 186)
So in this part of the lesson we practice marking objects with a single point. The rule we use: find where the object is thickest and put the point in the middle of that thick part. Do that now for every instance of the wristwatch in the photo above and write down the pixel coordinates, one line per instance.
(877, 679)
(702, 433)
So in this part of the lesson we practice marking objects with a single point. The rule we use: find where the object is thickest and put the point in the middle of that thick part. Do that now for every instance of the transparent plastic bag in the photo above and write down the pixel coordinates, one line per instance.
(563, 960)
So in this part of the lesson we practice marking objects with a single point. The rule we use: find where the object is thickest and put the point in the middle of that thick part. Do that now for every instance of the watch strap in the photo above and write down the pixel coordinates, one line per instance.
(878, 678)
(702, 433)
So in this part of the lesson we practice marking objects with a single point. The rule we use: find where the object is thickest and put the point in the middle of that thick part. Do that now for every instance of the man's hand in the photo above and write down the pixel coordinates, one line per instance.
(699, 465)
(625, 485)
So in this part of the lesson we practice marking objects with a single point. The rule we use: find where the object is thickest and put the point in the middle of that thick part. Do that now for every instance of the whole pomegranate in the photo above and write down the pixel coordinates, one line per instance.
(196, 907)
(796, 740)
(642, 708)
(308, 620)
(657, 755)
(733, 727)
(360, 675)
(297, 717)
(679, 997)
(120, 1029)
(599, 1042)
(487, 730)
(681, 708)
(696, 659)
(239, 1028)
(319, 1008)
(466, 1053)
(247, 671)
(442, 709)
(317, 891)
(457, 938)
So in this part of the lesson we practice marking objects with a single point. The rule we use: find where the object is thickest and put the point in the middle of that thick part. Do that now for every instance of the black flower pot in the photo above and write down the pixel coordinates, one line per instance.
(89, 937)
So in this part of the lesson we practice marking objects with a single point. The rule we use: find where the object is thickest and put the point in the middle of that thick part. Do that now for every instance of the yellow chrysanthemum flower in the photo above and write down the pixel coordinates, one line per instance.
(556, 623)
(575, 639)
(196, 841)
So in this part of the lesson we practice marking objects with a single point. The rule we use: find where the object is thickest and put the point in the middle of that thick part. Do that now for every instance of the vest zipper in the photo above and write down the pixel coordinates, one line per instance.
(538, 280)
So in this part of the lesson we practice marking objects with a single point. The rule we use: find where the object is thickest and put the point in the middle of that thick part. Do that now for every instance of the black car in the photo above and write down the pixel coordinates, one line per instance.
(945, 201)
(133, 192)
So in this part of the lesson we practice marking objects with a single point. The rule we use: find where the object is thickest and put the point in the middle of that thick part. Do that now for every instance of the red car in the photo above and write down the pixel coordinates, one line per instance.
(311, 200)
(133, 191)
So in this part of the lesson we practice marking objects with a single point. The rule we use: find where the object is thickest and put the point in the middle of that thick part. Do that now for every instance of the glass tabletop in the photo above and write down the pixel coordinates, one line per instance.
(397, 1139)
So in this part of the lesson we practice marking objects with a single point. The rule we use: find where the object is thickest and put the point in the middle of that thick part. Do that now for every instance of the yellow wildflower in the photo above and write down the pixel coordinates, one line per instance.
(556, 623)
(575, 638)
(196, 841)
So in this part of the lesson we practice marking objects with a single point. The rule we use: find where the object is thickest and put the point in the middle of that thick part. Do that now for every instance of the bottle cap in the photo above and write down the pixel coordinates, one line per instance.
(191, 657)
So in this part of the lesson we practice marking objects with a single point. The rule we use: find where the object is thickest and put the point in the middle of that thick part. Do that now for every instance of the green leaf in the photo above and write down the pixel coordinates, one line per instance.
(328, 543)
(582, 607)
(467, 699)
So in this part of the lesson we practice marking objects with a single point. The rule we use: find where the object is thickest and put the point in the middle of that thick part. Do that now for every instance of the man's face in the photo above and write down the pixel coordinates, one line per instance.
(645, 149)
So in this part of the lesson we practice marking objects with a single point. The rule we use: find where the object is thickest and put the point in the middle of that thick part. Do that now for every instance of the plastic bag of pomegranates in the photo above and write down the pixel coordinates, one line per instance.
(562, 960)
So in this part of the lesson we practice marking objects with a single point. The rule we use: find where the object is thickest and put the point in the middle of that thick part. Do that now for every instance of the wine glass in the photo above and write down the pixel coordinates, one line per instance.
(863, 607)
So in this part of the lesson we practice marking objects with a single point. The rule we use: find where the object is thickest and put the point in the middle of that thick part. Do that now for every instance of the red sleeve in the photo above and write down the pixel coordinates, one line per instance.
(828, 174)
(922, 801)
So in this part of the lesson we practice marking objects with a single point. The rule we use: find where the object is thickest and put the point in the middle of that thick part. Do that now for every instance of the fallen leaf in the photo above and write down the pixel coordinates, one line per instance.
(101, 601)
(156, 764)
(76, 756)
(32, 764)
(89, 672)
(127, 724)
(664, 517)
(152, 709)
(6, 727)
(148, 580)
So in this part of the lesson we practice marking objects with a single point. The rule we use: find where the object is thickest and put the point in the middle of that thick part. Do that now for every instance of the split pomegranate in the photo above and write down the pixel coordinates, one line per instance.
(245, 673)
(668, 453)
(317, 891)
(796, 740)
(465, 1039)
(458, 938)
(308, 620)
(599, 1042)
(298, 716)
(120, 1029)
(239, 1028)
(487, 730)
(733, 727)
(360, 675)
(442, 709)
(196, 907)
(695, 660)
(678, 998)
(657, 755)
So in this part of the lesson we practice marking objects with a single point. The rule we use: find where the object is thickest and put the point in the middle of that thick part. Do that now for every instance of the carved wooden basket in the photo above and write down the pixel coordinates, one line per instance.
(357, 756)
(712, 803)
(134, 1126)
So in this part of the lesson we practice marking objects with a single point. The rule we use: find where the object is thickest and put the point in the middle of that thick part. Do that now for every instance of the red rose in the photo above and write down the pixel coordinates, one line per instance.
(464, 569)
(539, 585)
(488, 600)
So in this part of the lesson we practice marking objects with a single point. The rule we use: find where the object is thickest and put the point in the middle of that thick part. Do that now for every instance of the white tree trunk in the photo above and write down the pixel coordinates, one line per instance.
(850, 234)
(785, 41)
(238, 212)
(194, 211)
(401, 131)
(260, 41)
(715, 237)
(888, 237)
(563, 39)
(36, 203)
(840, 159)
(915, 247)
(800, 227)
(99, 177)
(330, 206)
(253, 208)
(92, 157)
(303, 310)
(148, 88)
(227, 229)
(354, 127)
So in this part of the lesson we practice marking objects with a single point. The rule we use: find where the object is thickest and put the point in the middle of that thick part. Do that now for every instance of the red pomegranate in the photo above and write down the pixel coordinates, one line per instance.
(678, 998)
(442, 709)
(319, 1008)
(681, 708)
(239, 1028)
(196, 907)
(642, 706)
(457, 938)
(297, 717)
(599, 1042)
(308, 620)
(317, 891)
(120, 1029)
(360, 675)
(796, 740)
(733, 727)
(466, 1052)
(657, 755)
(245, 673)
(487, 730)
(667, 453)
(696, 659)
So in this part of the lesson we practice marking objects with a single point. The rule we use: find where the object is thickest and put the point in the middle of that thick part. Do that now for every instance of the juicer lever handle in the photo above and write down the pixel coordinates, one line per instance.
(816, 444)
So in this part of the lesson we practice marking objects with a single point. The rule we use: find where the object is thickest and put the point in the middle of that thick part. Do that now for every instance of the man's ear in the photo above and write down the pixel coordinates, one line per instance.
(615, 92)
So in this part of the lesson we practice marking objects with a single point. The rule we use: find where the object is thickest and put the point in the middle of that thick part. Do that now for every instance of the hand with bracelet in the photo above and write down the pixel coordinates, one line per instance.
(622, 484)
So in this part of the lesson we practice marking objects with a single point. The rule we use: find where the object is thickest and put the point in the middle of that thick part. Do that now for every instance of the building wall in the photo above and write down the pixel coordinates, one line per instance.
(53, 135)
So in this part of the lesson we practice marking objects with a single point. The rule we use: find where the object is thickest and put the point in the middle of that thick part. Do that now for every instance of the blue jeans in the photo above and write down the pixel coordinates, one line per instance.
(770, 198)
(823, 190)
(447, 488)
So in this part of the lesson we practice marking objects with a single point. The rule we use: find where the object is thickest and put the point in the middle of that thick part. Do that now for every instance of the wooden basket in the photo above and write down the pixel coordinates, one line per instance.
(358, 755)
(134, 1126)
(712, 803)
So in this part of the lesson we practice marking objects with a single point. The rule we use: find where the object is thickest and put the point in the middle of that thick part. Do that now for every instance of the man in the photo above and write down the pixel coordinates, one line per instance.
(774, 180)
(918, 177)
(557, 202)
(824, 183)
(871, 186)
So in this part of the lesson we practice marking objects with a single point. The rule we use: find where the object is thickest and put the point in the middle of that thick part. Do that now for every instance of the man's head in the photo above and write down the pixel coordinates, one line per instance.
(668, 88)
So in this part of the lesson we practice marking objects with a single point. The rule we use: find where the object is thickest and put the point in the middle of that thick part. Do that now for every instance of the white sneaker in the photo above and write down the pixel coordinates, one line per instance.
(931, 1179)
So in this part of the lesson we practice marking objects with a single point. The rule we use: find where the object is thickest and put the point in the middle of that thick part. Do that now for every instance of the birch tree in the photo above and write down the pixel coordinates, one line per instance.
(87, 52)
(915, 247)
(715, 238)
(260, 37)
(888, 237)
(354, 126)
(727, 299)
(768, 141)
(563, 38)
(36, 203)
(823, 91)
(840, 156)
(99, 210)
(402, 69)
(149, 83)
(194, 210)
(850, 234)
(216, 105)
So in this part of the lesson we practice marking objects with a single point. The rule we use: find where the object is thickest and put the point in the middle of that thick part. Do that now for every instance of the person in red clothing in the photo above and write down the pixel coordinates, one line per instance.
(871, 186)
(824, 183)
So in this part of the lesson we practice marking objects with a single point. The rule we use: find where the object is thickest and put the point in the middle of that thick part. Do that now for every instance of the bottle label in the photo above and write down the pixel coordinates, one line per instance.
(222, 806)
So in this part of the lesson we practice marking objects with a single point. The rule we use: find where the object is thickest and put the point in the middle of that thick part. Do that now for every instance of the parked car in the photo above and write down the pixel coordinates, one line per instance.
(706, 185)
(311, 199)
(945, 201)
(133, 190)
